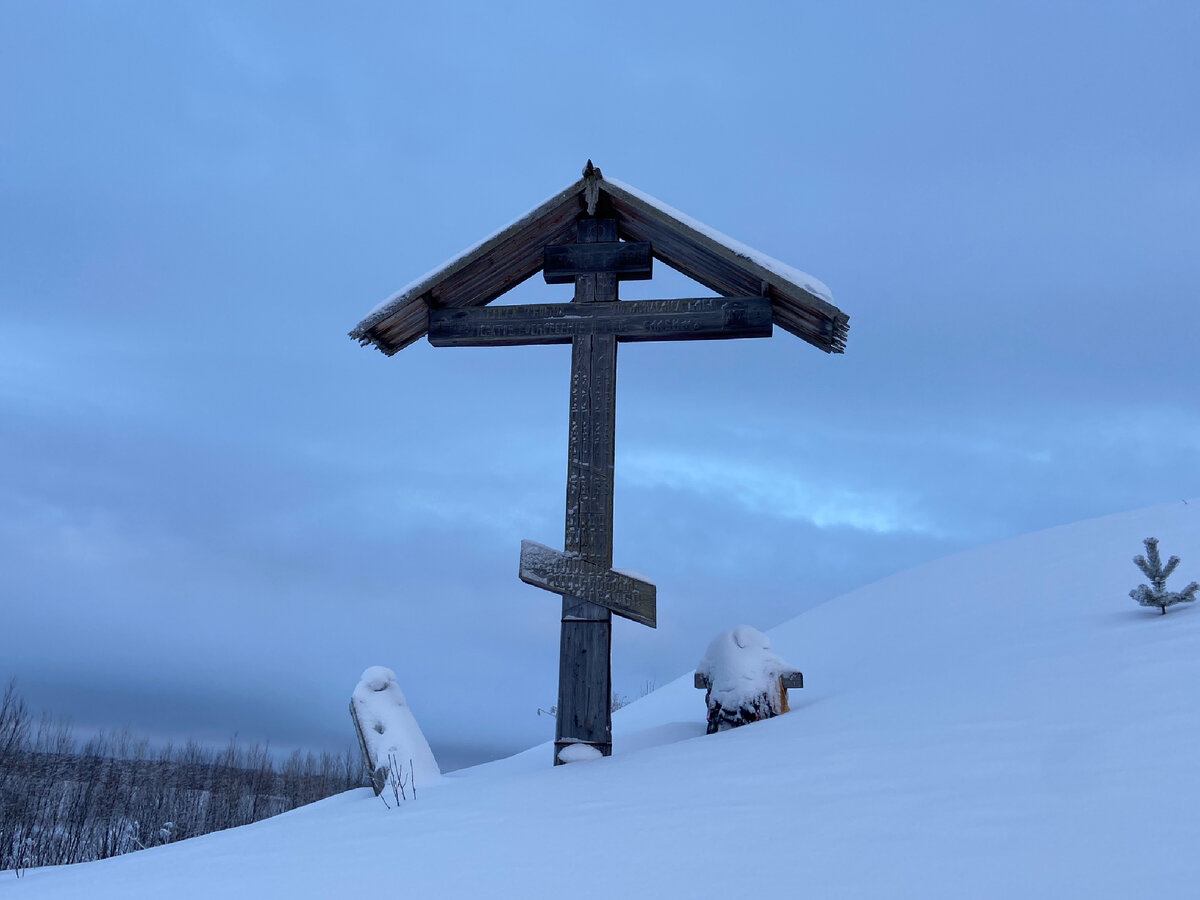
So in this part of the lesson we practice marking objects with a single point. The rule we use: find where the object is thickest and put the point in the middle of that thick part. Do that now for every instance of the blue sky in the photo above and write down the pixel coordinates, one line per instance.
(216, 509)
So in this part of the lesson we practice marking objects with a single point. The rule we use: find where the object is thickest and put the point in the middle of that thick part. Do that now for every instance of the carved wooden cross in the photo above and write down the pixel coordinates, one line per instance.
(593, 323)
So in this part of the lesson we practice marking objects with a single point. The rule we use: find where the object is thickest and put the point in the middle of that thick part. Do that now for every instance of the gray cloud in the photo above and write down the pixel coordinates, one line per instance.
(216, 510)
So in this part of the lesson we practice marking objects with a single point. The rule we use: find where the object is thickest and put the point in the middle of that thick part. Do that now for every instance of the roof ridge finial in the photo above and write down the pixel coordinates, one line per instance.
(591, 186)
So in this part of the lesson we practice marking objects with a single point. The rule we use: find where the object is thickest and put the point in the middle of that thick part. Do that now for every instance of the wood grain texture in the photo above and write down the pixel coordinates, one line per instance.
(585, 649)
(630, 260)
(498, 264)
(629, 597)
(789, 679)
(377, 772)
(476, 277)
(727, 270)
(685, 319)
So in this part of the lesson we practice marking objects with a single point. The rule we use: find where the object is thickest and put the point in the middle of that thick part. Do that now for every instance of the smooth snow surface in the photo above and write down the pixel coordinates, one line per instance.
(389, 726)
(1002, 723)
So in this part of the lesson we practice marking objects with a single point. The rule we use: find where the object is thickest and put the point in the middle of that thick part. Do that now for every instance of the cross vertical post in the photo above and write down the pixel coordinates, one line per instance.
(618, 233)
(584, 673)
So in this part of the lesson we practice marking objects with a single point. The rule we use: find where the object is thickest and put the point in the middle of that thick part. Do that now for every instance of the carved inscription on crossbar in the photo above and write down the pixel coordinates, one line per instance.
(553, 570)
(699, 318)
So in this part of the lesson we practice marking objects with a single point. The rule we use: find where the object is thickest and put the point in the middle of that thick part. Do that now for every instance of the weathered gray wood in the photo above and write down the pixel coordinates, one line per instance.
(630, 260)
(622, 594)
(622, 234)
(584, 673)
(476, 276)
(496, 265)
(790, 680)
(691, 319)
(377, 772)
(728, 268)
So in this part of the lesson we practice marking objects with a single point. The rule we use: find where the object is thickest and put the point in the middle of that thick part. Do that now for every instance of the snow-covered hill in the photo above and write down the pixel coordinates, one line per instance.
(1003, 723)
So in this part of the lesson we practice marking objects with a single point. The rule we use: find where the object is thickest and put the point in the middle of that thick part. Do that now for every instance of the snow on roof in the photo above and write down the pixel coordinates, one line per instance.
(418, 286)
(797, 276)
(800, 303)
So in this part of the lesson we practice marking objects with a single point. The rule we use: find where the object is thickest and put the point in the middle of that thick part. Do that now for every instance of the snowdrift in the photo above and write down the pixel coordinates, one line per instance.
(1002, 723)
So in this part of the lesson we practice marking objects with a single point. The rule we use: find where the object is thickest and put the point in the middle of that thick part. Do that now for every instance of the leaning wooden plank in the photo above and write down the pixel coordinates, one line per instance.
(377, 773)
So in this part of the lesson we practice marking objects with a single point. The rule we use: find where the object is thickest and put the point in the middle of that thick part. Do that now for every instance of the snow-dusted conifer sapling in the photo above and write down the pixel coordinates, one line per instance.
(1156, 593)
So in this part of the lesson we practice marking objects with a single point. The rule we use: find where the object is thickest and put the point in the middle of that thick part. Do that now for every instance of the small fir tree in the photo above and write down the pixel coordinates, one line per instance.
(1156, 594)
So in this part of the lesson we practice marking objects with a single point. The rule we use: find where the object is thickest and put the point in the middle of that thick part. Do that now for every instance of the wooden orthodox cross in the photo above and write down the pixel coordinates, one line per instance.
(595, 234)
(593, 323)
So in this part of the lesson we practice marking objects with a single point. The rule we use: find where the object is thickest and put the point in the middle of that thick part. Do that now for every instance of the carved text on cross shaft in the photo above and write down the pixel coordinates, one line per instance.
(590, 467)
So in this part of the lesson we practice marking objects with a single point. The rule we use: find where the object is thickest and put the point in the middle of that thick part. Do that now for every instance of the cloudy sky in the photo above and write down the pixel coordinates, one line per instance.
(216, 509)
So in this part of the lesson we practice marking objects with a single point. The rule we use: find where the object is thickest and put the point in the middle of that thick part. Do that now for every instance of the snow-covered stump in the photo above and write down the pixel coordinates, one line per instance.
(388, 733)
(744, 680)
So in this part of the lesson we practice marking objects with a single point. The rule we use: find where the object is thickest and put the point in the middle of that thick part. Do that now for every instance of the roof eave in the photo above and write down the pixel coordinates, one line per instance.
(728, 267)
(495, 265)
(399, 321)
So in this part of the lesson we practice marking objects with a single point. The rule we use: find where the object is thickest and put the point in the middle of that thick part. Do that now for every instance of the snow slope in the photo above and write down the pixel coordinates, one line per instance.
(1002, 723)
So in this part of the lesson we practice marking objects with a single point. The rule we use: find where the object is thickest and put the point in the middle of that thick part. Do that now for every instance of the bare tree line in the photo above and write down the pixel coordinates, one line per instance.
(65, 803)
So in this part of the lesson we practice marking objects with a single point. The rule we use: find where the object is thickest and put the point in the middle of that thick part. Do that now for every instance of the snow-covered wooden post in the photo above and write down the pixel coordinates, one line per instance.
(743, 680)
(388, 735)
(595, 234)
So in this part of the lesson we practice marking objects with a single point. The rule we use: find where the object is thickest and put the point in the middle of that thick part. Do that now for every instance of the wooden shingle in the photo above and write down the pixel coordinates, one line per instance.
(800, 304)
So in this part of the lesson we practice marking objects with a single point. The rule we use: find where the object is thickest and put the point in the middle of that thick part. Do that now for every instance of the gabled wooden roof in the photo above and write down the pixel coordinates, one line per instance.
(800, 303)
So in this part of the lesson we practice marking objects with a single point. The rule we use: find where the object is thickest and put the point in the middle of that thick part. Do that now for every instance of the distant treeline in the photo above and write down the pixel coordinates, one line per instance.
(61, 803)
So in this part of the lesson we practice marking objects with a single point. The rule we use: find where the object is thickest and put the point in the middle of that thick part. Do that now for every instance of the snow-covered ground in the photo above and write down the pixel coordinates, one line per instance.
(1002, 723)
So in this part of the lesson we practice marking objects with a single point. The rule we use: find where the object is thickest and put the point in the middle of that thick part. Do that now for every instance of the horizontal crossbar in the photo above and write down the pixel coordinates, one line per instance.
(790, 680)
(691, 319)
(628, 260)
